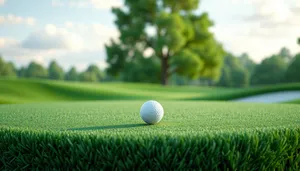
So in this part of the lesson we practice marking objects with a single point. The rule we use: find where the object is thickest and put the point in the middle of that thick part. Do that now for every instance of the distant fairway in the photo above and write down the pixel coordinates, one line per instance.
(29, 91)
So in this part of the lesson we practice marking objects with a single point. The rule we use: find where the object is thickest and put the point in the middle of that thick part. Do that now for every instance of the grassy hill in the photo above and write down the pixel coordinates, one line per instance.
(30, 90)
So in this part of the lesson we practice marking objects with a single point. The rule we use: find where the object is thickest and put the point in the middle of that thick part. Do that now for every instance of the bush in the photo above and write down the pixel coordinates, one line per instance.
(292, 73)
(44, 150)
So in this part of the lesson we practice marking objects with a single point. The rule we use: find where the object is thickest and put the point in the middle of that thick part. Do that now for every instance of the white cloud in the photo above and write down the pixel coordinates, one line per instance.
(8, 42)
(262, 27)
(258, 42)
(22, 56)
(94, 35)
(14, 19)
(52, 37)
(66, 58)
(98, 4)
(57, 3)
(30, 21)
(69, 24)
(101, 4)
(2, 2)
(104, 31)
(273, 13)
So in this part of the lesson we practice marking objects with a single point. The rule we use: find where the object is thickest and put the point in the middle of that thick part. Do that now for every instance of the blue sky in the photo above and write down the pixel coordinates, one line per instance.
(74, 32)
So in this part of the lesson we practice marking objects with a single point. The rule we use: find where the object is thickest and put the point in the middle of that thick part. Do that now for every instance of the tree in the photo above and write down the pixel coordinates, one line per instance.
(87, 76)
(94, 69)
(247, 63)
(285, 53)
(55, 72)
(233, 73)
(292, 73)
(299, 41)
(36, 70)
(142, 70)
(7, 69)
(225, 80)
(270, 71)
(22, 72)
(181, 39)
(72, 74)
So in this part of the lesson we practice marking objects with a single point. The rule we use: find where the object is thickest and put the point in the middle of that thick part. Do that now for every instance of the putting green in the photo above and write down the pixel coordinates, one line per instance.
(181, 117)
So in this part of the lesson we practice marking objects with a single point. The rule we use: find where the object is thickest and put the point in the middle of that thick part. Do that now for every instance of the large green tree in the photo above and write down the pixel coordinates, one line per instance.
(55, 72)
(233, 73)
(293, 71)
(7, 68)
(180, 38)
(36, 70)
(270, 71)
(142, 70)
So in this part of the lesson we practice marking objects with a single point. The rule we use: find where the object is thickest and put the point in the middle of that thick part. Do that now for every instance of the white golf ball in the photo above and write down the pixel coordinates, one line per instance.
(151, 112)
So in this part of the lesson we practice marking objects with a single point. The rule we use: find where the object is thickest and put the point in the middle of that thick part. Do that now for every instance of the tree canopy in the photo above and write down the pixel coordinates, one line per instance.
(293, 71)
(72, 74)
(36, 70)
(7, 68)
(270, 71)
(94, 69)
(247, 63)
(55, 71)
(142, 70)
(286, 54)
(234, 74)
(172, 30)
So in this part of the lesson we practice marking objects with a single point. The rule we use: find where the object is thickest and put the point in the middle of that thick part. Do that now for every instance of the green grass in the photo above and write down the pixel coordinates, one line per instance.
(30, 90)
(113, 116)
(110, 135)
(297, 101)
(67, 125)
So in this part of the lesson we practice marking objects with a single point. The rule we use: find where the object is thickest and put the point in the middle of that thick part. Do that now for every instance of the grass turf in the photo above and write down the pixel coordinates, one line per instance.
(110, 135)
(123, 116)
(297, 101)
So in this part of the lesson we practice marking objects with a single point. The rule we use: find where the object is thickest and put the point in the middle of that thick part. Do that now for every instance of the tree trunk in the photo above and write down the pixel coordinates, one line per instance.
(164, 70)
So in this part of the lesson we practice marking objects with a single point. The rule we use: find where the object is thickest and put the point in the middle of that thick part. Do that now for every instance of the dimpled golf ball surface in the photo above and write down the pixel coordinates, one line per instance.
(152, 112)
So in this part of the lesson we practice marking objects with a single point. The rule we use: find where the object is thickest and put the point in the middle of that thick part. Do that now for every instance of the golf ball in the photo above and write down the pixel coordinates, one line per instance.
(152, 112)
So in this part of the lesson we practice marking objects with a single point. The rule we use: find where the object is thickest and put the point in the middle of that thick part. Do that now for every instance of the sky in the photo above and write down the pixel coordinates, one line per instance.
(74, 32)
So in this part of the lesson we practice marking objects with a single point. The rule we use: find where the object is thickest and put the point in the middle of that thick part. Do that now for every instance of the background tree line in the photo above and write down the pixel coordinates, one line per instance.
(236, 71)
(53, 72)
(242, 71)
